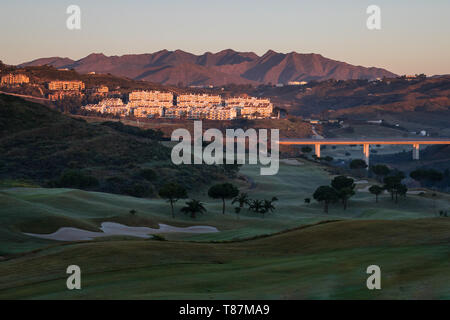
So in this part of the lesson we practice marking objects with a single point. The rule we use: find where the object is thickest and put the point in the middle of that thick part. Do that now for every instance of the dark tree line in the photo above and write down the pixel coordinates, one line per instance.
(342, 188)
(173, 192)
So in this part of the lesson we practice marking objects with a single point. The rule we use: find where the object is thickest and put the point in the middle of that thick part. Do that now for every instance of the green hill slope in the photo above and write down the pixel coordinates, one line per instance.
(44, 210)
(38, 144)
(311, 261)
(322, 261)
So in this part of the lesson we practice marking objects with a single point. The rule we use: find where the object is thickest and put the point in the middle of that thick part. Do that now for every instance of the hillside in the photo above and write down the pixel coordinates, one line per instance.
(56, 62)
(227, 66)
(45, 73)
(432, 157)
(296, 252)
(47, 148)
(417, 104)
(320, 262)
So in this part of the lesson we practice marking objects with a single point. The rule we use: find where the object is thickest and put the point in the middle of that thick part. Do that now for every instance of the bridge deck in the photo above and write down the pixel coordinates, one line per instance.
(364, 141)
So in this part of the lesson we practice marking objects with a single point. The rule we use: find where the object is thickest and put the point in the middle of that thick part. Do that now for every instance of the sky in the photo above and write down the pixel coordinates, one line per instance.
(414, 36)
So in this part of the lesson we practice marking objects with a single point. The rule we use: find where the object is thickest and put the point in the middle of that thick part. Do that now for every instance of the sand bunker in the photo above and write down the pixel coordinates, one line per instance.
(117, 229)
(415, 192)
(410, 192)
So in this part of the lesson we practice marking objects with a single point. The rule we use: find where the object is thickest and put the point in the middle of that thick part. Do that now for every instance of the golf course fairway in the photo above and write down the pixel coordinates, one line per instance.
(297, 252)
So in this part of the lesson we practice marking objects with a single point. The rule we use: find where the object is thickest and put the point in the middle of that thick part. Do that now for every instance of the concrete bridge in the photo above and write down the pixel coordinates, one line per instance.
(415, 143)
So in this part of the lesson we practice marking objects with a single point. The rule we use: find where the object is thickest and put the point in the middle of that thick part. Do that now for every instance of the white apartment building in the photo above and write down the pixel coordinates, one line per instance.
(297, 83)
(199, 100)
(150, 99)
(250, 106)
(176, 112)
(148, 112)
(111, 102)
(112, 106)
(66, 85)
(223, 113)
(14, 79)
(149, 104)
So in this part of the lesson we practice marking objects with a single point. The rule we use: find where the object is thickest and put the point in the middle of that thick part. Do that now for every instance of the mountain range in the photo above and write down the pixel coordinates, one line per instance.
(224, 67)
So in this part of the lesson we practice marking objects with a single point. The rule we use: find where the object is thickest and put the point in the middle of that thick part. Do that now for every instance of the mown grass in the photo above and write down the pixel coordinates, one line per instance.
(317, 261)
(321, 262)
(41, 210)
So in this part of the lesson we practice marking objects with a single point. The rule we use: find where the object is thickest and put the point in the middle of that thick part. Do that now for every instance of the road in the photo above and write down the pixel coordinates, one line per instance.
(316, 135)
(24, 96)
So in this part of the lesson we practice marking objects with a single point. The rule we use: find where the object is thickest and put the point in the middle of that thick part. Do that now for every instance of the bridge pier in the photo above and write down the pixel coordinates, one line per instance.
(415, 143)
(415, 152)
(366, 150)
(317, 150)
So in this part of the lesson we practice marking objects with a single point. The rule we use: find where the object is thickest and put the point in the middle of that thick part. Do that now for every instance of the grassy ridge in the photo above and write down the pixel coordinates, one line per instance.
(319, 261)
(324, 261)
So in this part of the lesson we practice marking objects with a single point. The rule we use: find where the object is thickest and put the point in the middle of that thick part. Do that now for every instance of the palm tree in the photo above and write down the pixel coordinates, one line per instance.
(256, 206)
(193, 207)
(262, 206)
(268, 206)
(242, 199)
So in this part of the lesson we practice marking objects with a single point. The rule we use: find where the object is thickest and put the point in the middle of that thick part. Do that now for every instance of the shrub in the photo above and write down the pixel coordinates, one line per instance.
(443, 213)
(75, 179)
(358, 164)
(306, 149)
(148, 174)
(139, 190)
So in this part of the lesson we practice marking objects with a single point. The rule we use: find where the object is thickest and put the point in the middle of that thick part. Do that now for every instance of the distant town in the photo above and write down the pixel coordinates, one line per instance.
(151, 104)
(156, 104)
(96, 95)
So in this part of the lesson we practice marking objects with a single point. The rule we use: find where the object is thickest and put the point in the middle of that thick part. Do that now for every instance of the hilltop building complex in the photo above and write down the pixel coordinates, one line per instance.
(64, 89)
(149, 104)
(66, 85)
(14, 79)
(112, 106)
(150, 99)
(198, 100)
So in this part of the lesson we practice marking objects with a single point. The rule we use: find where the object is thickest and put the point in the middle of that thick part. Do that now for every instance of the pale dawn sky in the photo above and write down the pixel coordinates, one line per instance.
(414, 35)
